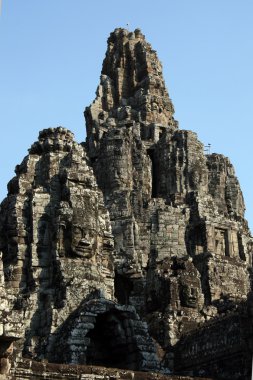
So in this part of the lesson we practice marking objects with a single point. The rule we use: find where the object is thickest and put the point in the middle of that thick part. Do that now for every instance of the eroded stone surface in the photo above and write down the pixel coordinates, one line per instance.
(33, 370)
(55, 239)
(182, 244)
(57, 264)
(130, 250)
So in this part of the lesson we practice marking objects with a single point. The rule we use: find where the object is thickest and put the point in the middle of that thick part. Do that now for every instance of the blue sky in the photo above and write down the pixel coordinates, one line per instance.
(51, 58)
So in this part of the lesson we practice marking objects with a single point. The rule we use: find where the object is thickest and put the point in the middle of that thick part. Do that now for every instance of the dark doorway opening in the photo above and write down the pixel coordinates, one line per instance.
(151, 154)
(123, 287)
(108, 343)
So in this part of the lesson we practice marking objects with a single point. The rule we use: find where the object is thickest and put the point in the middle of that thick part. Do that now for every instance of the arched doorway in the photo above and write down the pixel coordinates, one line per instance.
(103, 333)
(110, 346)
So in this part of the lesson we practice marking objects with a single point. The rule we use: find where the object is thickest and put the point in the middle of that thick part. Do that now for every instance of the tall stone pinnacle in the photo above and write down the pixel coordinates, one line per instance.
(131, 85)
(129, 251)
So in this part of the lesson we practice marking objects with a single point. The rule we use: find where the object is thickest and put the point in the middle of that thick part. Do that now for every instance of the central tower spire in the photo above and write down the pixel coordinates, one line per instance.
(131, 85)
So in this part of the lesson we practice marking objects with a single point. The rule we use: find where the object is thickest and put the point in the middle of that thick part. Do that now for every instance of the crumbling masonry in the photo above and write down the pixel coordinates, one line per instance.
(130, 250)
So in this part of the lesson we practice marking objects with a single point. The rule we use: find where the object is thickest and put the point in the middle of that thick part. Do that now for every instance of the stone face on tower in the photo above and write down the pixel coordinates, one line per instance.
(182, 243)
(130, 250)
(56, 240)
(57, 269)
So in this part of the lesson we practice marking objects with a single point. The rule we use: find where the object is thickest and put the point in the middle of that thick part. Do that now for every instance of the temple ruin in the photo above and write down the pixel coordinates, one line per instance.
(129, 251)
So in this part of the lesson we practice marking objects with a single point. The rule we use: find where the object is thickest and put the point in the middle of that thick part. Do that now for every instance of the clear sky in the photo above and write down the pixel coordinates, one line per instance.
(51, 58)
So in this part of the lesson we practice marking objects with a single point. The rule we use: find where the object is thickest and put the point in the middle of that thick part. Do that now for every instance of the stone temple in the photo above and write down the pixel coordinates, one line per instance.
(127, 256)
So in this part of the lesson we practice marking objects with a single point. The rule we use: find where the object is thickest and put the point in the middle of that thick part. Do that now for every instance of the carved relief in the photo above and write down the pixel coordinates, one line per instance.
(189, 284)
(176, 213)
(189, 295)
(221, 242)
(82, 242)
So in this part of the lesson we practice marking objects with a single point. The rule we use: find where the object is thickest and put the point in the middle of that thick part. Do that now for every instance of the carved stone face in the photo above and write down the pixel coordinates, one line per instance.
(124, 113)
(154, 106)
(108, 242)
(82, 242)
(189, 295)
(76, 233)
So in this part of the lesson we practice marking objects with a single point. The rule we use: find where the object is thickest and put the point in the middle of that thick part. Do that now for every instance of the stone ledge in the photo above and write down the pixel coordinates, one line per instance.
(29, 369)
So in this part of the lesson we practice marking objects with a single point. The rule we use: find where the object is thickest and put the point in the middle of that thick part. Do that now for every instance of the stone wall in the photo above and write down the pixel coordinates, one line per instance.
(122, 250)
(182, 245)
(57, 268)
(35, 370)
(56, 241)
(221, 346)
